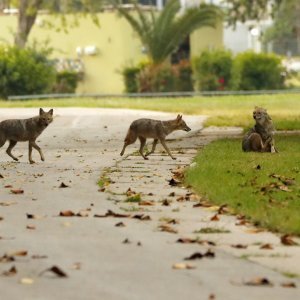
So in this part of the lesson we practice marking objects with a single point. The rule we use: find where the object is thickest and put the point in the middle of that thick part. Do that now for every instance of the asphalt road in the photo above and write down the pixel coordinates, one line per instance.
(101, 261)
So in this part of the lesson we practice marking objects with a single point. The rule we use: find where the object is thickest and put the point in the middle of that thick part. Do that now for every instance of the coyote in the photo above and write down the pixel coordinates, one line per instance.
(158, 130)
(260, 138)
(22, 130)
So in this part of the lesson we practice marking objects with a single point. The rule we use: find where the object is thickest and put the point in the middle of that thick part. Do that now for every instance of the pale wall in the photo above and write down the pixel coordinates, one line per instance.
(118, 47)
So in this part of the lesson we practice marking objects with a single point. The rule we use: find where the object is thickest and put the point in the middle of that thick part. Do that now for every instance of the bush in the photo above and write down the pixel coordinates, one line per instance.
(24, 72)
(212, 70)
(66, 82)
(130, 79)
(147, 78)
(253, 71)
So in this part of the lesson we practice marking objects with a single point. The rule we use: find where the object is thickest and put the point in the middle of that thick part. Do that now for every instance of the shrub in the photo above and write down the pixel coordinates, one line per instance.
(253, 71)
(24, 72)
(130, 79)
(212, 70)
(66, 82)
(184, 76)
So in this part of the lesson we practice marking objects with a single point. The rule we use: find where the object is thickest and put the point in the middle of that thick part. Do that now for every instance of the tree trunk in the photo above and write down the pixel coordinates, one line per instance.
(28, 10)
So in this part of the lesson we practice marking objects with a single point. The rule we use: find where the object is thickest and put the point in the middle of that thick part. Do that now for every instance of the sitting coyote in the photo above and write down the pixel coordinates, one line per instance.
(158, 130)
(22, 130)
(261, 137)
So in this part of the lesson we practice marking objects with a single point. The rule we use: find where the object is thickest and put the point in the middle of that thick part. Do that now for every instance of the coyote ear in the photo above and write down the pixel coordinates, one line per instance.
(41, 111)
(50, 111)
(179, 117)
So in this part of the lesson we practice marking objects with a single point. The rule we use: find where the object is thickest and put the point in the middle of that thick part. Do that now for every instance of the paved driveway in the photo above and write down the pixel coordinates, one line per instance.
(102, 260)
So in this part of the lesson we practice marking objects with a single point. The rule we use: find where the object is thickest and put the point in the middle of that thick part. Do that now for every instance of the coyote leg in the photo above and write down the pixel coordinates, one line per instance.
(143, 142)
(166, 148)
(153, 147)
(8, 151)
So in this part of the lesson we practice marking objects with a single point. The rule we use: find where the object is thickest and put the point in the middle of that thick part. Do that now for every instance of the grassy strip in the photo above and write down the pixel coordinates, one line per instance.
(223, 110)
(225, 174)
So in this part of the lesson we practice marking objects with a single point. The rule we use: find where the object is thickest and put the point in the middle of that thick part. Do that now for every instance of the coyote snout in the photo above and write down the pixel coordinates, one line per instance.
(158, 130)
(21, 130)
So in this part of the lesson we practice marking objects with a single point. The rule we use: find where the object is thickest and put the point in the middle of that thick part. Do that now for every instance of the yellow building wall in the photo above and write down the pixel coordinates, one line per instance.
(118, 47)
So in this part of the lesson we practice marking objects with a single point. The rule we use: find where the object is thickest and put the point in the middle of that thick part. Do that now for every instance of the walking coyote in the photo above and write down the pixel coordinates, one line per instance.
(158, 130)
(22, 130)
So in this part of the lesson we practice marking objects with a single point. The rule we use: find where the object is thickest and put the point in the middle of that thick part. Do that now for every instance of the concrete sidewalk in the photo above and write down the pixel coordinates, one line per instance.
(131, 255)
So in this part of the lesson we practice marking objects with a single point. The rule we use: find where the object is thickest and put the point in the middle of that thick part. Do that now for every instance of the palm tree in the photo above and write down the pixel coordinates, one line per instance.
(161, 33)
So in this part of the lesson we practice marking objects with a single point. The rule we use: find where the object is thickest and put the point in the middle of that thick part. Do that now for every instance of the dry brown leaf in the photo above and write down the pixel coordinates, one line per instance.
(120, 224)
(183, 266)
(55, 270)
(239, 246)
(194, 256)
(173, 182)
(126, 241)
(195, 241)
(31, 227)
(142, 217)
(37, 256)
(11, 272)
(63, 185)
(167, 228)
(8, 203)
(6, 258)
(166, 202)
(266, 247)
(18, 253)
(110, 213)
(66, 213)
(17, 191)
(83, 213)
(32, 216)
(259, 281)
(215, 218)
(8, 186)
(146, 203)
(287, 240)
(289, 284)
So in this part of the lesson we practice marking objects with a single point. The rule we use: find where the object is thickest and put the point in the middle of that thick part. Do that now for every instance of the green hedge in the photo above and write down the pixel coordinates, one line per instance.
(66, 82)
(212, 70)
(158, 78)
(257, 71)
(220, 70)
(24, 72)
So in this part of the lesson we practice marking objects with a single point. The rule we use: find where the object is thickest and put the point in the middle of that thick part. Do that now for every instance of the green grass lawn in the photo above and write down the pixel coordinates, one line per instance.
(222, 110)
(244, 181)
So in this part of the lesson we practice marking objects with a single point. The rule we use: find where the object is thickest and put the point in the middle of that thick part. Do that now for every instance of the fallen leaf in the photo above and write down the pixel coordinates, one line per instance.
(141, 217)
(37, 256)
(166, 202)
(7, 258)
(173, 182)
(18, 253)
(289, 284)
(120, 224)
(146, 203)
(26, 280)
(1, 176)
(182, 266)
(110, 213)
(239, 246)
(287, 240)
(215, 218)
(76, 266)
(11, 272)
(8, 203)
(8, 186)
(66, 213)
(32, 216)
(83, 213)
(63, 185)
(126, 241)
(172, 194)
(195, 241)
(167, 228)
(55, 270)
(260, 281)
(266, 247)
(196, 255)
(17, 192)
(31, 227)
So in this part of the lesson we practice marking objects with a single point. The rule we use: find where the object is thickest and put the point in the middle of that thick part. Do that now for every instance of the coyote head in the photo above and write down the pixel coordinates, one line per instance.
(180, 124)
(260, 115)
(45, 118)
